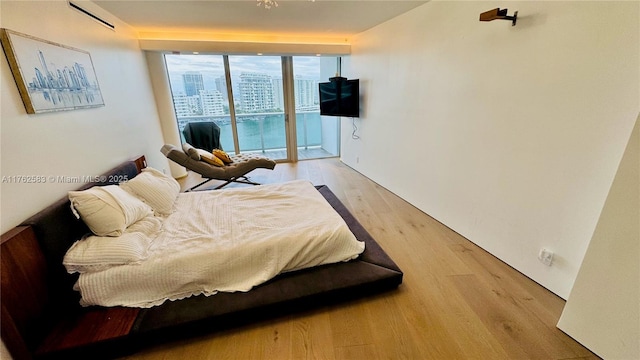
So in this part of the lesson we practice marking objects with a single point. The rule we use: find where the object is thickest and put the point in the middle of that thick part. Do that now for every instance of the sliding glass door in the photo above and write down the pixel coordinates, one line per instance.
(264, 104)
(259, 104)
(317, 136)
(199, 91)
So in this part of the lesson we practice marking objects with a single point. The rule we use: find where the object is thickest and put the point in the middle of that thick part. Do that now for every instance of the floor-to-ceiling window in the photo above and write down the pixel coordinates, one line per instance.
(248, 98)
(199, 90)
(259, 104)
(317, 136)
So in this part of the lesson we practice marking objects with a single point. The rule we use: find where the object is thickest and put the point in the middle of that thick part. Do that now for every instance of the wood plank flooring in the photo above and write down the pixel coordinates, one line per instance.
(303, 154)
(456, 302)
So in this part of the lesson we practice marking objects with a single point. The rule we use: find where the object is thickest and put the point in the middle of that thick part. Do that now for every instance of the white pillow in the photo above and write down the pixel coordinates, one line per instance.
(107, 210)
(155, 188)
(96, 253)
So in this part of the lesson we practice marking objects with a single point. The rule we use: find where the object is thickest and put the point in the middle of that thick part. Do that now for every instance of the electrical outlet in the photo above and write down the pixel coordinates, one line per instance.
(545, 256)
(357, 159)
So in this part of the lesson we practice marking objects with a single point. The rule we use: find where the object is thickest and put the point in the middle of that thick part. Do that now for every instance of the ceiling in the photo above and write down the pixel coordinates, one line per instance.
(334, 18)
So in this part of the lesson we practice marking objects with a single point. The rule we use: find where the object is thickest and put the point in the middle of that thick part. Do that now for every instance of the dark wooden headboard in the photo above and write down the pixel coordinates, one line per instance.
(36, 289)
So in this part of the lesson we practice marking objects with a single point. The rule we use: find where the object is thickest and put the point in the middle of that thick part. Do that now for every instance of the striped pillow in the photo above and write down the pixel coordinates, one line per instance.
(96, 253)
(154, 188)
(107, 210)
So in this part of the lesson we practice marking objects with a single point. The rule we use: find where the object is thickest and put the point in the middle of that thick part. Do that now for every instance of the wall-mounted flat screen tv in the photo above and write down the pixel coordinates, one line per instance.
(340, 97)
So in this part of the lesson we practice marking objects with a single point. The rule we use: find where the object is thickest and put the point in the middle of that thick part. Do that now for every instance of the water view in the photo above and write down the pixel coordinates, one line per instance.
(200, 92)
(264, 132)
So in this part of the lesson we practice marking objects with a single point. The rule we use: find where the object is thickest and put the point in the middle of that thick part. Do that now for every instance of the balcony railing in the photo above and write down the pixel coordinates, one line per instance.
(264, 131)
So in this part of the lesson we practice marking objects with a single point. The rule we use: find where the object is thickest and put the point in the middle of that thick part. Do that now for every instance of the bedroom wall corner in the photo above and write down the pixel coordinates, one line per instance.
(606, 323)
(166, 112)
(509, 135)
(78, 143)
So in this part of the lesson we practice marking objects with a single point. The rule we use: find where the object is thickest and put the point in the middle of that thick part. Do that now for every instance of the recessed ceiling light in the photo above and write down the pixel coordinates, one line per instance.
(260, 54)
(195, 53)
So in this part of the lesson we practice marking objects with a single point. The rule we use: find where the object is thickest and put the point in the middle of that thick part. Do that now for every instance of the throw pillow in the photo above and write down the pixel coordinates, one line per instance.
(107, 210)
(222, 155)
(94, 253)
(209, 158)
(154, 188)
(191, 151)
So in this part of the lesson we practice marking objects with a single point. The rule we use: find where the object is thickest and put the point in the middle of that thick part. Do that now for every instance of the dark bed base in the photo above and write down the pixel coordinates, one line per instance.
(41, 320)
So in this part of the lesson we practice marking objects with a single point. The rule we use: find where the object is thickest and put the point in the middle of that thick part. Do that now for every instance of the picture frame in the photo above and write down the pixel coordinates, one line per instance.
(50, 76)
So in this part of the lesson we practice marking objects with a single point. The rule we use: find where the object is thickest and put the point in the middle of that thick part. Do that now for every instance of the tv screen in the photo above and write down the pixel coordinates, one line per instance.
(340, 97)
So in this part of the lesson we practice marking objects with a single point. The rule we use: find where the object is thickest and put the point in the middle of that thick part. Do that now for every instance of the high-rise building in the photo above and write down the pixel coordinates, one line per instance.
(306, 93)
(256, 92)
(193, 83)
(81, 74)
(278, 93)
(221, 86)
(45, 71)
(181, 105)
(39, 81)
(212, 102)
(187, 105)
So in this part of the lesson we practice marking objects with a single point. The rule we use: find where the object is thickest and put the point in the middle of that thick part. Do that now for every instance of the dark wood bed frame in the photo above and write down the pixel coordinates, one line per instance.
(41, 317)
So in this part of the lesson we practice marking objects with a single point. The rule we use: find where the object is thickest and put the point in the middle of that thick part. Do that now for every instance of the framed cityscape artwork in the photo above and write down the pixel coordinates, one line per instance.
(50, 76)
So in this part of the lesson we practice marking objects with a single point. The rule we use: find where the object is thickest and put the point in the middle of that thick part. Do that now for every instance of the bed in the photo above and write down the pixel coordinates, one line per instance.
(47, 320)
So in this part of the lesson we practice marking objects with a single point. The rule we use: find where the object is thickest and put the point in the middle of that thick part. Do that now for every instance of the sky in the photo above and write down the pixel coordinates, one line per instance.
(212, 67)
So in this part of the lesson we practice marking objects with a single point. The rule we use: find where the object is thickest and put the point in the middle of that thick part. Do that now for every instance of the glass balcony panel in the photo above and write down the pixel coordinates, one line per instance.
(259, 103)
(317, 136)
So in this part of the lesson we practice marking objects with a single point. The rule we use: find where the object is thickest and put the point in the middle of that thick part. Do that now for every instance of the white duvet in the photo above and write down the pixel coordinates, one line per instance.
(225, 240)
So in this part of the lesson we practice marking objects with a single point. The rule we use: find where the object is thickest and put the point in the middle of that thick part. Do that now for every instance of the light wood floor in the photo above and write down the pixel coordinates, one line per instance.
(456, 302)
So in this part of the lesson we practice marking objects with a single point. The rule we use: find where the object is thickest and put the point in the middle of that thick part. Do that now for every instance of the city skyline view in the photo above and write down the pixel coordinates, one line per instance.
(212, 67)
(199, 86)
(199, 91)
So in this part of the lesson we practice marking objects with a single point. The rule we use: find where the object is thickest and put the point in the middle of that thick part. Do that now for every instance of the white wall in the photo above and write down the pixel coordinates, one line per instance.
(330, 124)
(166, 112)
(511, 136)
(603, 309)
(81, 142)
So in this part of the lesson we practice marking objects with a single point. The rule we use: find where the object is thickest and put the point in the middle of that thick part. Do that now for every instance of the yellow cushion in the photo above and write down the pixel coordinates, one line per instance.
(222, 155)
(209, 158)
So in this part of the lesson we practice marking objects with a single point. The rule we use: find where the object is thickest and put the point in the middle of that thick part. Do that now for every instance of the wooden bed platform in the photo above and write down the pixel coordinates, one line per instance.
(41, 317)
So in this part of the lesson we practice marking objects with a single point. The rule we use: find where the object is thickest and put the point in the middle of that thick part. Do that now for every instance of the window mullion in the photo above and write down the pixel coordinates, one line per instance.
(289, 107)
(232, 107)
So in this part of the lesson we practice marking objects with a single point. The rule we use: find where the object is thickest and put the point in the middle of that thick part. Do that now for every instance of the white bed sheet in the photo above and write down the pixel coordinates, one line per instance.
(227, 240)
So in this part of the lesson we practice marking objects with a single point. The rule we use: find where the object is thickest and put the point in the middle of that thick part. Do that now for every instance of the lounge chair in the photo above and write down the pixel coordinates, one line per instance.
(234, 172)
